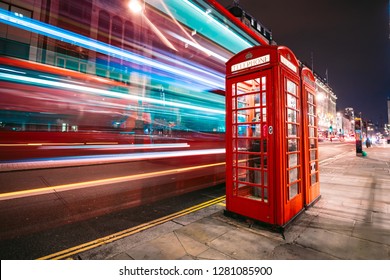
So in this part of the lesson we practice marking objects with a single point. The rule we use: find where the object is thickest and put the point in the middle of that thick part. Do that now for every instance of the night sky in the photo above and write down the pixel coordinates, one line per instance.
(350, 39)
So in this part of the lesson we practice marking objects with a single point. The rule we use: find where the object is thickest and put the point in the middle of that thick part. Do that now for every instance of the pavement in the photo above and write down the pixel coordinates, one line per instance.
(351, 221)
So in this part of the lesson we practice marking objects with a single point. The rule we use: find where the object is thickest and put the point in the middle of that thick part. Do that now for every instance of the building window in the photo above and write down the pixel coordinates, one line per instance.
(128, 41)
(104, 27)
(15, 41)
(116, 32)
(74, 12)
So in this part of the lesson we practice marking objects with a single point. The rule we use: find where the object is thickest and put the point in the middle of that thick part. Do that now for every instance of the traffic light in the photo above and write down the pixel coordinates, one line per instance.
(358, 124)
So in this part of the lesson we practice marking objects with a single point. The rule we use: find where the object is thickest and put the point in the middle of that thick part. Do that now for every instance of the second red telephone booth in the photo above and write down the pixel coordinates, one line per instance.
(264, 154)
(310, 138)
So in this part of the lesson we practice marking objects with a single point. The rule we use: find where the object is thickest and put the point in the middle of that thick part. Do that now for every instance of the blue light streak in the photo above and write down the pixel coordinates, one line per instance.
(214, 81)
(56, 84)
(204, 23)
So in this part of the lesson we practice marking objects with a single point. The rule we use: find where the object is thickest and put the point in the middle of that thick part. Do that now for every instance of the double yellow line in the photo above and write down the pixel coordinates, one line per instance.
(127, 232)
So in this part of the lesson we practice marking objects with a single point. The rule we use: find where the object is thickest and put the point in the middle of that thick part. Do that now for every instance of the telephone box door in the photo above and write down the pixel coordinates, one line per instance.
(310, 131)
(291, 138)
(248, 152)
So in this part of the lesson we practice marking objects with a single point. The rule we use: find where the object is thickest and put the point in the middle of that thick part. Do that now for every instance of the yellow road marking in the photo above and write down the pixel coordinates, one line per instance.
(113, 237)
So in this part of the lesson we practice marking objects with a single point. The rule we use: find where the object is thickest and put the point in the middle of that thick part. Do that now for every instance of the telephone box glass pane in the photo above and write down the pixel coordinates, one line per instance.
(313, 167)
(257, 177)
(243, 175)
(264, 99)
(248, 86)
(264, 115)
(263, 83)
(241, 118)
(291, 87)
(265, 194)
(313, 155)
(265, 158)
(311, 110)
(310, 98)
(257, 100)
(257, 192)
(292, 160)
(311, 120)
(312, 143)
(293, 190)
(233, 89)
(243, 130)
(312, 132)
(293, 175)
(242, 102)
(265, 183)
(291, 115)
(292, 145)
(244, 114)
(292, 130)
(243, 145)
(313, 179)
(291, 101)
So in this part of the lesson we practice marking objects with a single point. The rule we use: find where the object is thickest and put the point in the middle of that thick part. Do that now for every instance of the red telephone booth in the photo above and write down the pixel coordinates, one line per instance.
(310, 137)
(264, 175)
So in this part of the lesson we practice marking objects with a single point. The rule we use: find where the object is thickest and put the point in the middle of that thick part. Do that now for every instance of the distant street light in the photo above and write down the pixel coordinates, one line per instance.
(138, 7)
(135, 6)
(320, 96)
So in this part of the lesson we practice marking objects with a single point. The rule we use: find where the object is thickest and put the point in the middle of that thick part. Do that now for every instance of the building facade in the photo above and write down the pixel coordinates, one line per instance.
(326, 112)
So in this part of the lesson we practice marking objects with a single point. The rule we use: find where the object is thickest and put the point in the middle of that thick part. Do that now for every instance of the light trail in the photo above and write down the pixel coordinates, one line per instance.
(199, 47)
(194, 42)
(195, 17)
(97, 146)
(88, 43)
(159, 34)
(100, 182)
(111, 146)
(96, 91)
(101, 159)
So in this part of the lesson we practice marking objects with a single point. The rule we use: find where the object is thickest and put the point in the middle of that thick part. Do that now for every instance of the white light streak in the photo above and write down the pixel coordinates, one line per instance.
(198, 46)
(68, 86)
(52, 146)
(207, 15)
(73, 38)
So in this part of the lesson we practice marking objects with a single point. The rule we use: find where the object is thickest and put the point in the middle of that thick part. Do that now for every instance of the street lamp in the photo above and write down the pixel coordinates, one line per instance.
(135, 6)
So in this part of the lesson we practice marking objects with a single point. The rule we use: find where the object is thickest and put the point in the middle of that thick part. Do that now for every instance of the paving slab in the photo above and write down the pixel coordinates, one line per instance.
(342, 246)
(192, 247)
(206, 230)
(333, 223)
(245, 245)
(376, 231)
(298, 252)
(165, 247)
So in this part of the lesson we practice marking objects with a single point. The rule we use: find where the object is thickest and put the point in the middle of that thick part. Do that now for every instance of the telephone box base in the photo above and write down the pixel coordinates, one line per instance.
(263, 225)
(311, 204)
